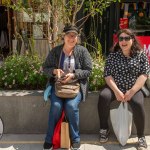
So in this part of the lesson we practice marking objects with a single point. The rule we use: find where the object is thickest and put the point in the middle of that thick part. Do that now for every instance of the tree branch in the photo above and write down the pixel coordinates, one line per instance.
(85, 17)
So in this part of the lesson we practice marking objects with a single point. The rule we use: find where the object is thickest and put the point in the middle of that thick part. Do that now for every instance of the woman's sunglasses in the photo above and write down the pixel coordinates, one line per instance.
(126, 38)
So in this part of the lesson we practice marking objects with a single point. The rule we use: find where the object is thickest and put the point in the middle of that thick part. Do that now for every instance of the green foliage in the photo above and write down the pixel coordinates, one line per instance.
(96, 80)
(98, 6)
(22, 73)
(66, 10)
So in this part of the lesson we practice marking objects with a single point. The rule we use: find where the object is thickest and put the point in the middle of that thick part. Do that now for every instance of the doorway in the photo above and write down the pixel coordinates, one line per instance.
(4, 32)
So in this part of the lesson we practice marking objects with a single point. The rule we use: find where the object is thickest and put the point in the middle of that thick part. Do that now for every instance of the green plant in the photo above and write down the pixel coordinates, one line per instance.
(22, 73)
(60, 12)
(96, 80)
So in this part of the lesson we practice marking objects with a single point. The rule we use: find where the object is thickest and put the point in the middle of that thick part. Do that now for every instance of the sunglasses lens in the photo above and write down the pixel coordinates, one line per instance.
(127, 38)
(121, 38)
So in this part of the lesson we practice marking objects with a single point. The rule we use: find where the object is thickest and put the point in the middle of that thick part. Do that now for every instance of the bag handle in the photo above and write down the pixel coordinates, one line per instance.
(61, 59)
(64, 117)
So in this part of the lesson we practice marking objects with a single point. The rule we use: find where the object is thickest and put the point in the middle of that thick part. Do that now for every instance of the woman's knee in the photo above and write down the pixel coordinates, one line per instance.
(105, 95)
(71, 107)
(56, 107)
(138, 100)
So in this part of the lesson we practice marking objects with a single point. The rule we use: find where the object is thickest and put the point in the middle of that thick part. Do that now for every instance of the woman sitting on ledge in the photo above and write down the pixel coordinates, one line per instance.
(76, 64)
(126, 71)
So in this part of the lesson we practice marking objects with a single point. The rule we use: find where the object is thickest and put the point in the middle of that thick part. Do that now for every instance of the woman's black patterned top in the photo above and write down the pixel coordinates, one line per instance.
(126, 70)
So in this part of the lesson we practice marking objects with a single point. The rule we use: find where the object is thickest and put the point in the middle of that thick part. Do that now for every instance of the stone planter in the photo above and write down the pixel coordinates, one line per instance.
(25, 112)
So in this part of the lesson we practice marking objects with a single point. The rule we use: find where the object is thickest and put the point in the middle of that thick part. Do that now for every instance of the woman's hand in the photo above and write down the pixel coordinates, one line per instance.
(68, 77)
(119, 95)
(129, 94)
(111, 83)
(58, 72)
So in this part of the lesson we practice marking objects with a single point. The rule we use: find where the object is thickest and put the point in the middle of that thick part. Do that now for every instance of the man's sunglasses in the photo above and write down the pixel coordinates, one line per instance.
(126, 38)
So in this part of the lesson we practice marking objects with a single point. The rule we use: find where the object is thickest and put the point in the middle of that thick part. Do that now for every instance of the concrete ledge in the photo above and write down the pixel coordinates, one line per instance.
(25, 112)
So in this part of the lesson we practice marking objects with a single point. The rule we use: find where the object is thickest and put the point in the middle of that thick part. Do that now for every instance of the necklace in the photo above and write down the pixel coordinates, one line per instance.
(69, 52)
(69, 59)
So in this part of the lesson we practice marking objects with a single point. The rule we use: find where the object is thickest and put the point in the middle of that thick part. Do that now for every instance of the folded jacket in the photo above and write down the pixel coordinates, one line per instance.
(47, 92)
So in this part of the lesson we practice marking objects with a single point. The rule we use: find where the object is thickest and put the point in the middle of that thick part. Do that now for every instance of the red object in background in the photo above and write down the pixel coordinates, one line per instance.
(145, 42)
(124, 23)
(121, 25)
(115, 38)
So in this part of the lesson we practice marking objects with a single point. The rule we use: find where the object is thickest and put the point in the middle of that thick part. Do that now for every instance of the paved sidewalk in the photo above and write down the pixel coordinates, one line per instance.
(88, 142)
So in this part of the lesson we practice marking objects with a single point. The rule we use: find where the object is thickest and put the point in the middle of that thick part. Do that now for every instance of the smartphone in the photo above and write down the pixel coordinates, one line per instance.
(63, 77)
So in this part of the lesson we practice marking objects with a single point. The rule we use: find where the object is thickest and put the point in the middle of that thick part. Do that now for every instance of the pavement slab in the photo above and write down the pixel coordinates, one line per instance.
(88, 142)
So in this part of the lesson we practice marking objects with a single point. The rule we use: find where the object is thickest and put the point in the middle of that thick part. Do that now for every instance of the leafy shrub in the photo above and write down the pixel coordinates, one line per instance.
(22, 73)
(96, 80)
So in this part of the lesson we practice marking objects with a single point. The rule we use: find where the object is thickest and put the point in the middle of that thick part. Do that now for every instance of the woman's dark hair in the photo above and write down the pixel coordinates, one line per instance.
(136, 46)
